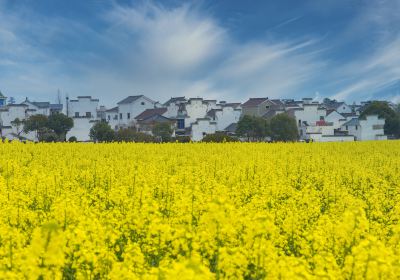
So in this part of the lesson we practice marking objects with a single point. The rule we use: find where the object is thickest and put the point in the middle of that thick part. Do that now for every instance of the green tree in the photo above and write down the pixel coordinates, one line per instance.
(284, 128)
(102, 132)
(163, 131)
(19, 125)
(218, 137)
(253, 128)
(60, 124)
(383, 110)
(131, 135)
(37, 124)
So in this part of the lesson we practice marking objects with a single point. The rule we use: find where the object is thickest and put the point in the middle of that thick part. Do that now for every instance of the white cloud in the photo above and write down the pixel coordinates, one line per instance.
(162, 52)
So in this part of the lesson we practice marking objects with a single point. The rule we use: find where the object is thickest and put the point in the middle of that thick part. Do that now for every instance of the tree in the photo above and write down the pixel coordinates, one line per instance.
(163, 131)
(284, 128)
(19, 125)
(60, 124)
(383, 110)
(38, 124)
(102, 132)
(253, 128)
(131, 135)
(218, 137)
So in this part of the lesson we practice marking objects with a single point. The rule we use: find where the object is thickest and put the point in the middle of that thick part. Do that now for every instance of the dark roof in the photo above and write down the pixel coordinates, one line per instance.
(151, 112)
(130, 99)
(17, 105)
(175, 99)
(1, 94)
(234, 105)
(155, 118)
(41, 104)
(254, 102)
(212, 112)
(231, 127)
(348, 114)
(56, 106)
(277, 102)
(113, 110)
(352, 122)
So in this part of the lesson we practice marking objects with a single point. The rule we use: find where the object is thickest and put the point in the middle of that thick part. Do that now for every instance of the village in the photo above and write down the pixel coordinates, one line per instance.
(317, 121)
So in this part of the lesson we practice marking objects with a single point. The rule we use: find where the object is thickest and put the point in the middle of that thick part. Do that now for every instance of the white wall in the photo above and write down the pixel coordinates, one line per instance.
(335, 118)
(81, 129)
(135, 108)
(331, 138)
(82, 105)
(310, 114)
(202, 127)
(195, 109)
(112, 119)
(371, 128)
(226, 116)
(344, 109)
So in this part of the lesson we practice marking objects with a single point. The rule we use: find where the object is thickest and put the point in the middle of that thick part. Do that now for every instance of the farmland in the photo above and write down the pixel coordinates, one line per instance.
(200, 211)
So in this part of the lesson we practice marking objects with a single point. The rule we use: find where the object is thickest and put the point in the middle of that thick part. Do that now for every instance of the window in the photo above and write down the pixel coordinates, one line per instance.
(347, 127)
(356, 127)
(76, 114)
(116, 117)
(88, 114)
(109, 117)
(142, 103)
(181, 123)
(299, 122)
(321, 118)
(128, 116)
(120, 116)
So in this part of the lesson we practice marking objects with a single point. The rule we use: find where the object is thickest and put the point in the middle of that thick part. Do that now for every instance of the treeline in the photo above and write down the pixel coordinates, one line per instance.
(161, 132)
(281, 127)
(51, 128)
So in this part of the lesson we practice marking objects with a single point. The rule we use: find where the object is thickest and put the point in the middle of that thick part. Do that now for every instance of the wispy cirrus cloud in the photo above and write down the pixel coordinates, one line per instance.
(163, 51)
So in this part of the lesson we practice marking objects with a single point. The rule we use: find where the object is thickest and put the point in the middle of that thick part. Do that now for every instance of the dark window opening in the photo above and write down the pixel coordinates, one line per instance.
(181, 123)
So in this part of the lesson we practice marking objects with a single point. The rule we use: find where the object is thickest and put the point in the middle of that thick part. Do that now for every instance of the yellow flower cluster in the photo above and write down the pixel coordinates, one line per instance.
(200, 211)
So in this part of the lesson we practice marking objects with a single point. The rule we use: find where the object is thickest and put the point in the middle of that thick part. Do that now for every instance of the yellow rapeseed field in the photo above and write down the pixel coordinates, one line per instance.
(200, 211)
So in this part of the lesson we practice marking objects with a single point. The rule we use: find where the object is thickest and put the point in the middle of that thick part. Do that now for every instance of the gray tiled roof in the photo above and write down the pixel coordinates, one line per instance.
(352, 122)
(130, 99)
(254, 102)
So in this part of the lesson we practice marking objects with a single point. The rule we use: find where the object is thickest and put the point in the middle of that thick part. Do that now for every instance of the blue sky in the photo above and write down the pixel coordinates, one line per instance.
(228, 50)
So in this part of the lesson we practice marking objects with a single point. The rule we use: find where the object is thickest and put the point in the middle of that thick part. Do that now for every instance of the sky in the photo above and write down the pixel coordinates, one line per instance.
(226, 50)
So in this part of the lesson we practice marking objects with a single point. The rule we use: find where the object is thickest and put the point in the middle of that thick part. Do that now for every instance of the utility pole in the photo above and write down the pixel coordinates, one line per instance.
(67, 101)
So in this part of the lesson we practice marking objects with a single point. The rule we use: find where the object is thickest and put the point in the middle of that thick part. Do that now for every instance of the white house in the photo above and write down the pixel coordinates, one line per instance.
(85, 112)
(83, 107)
(335, 118)
(132, 106)
(225, 116)
(201, 127)
(173, 105)
(7, 116)
(195, 108)
(112, 117)
(43, 108)
(370, 128)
